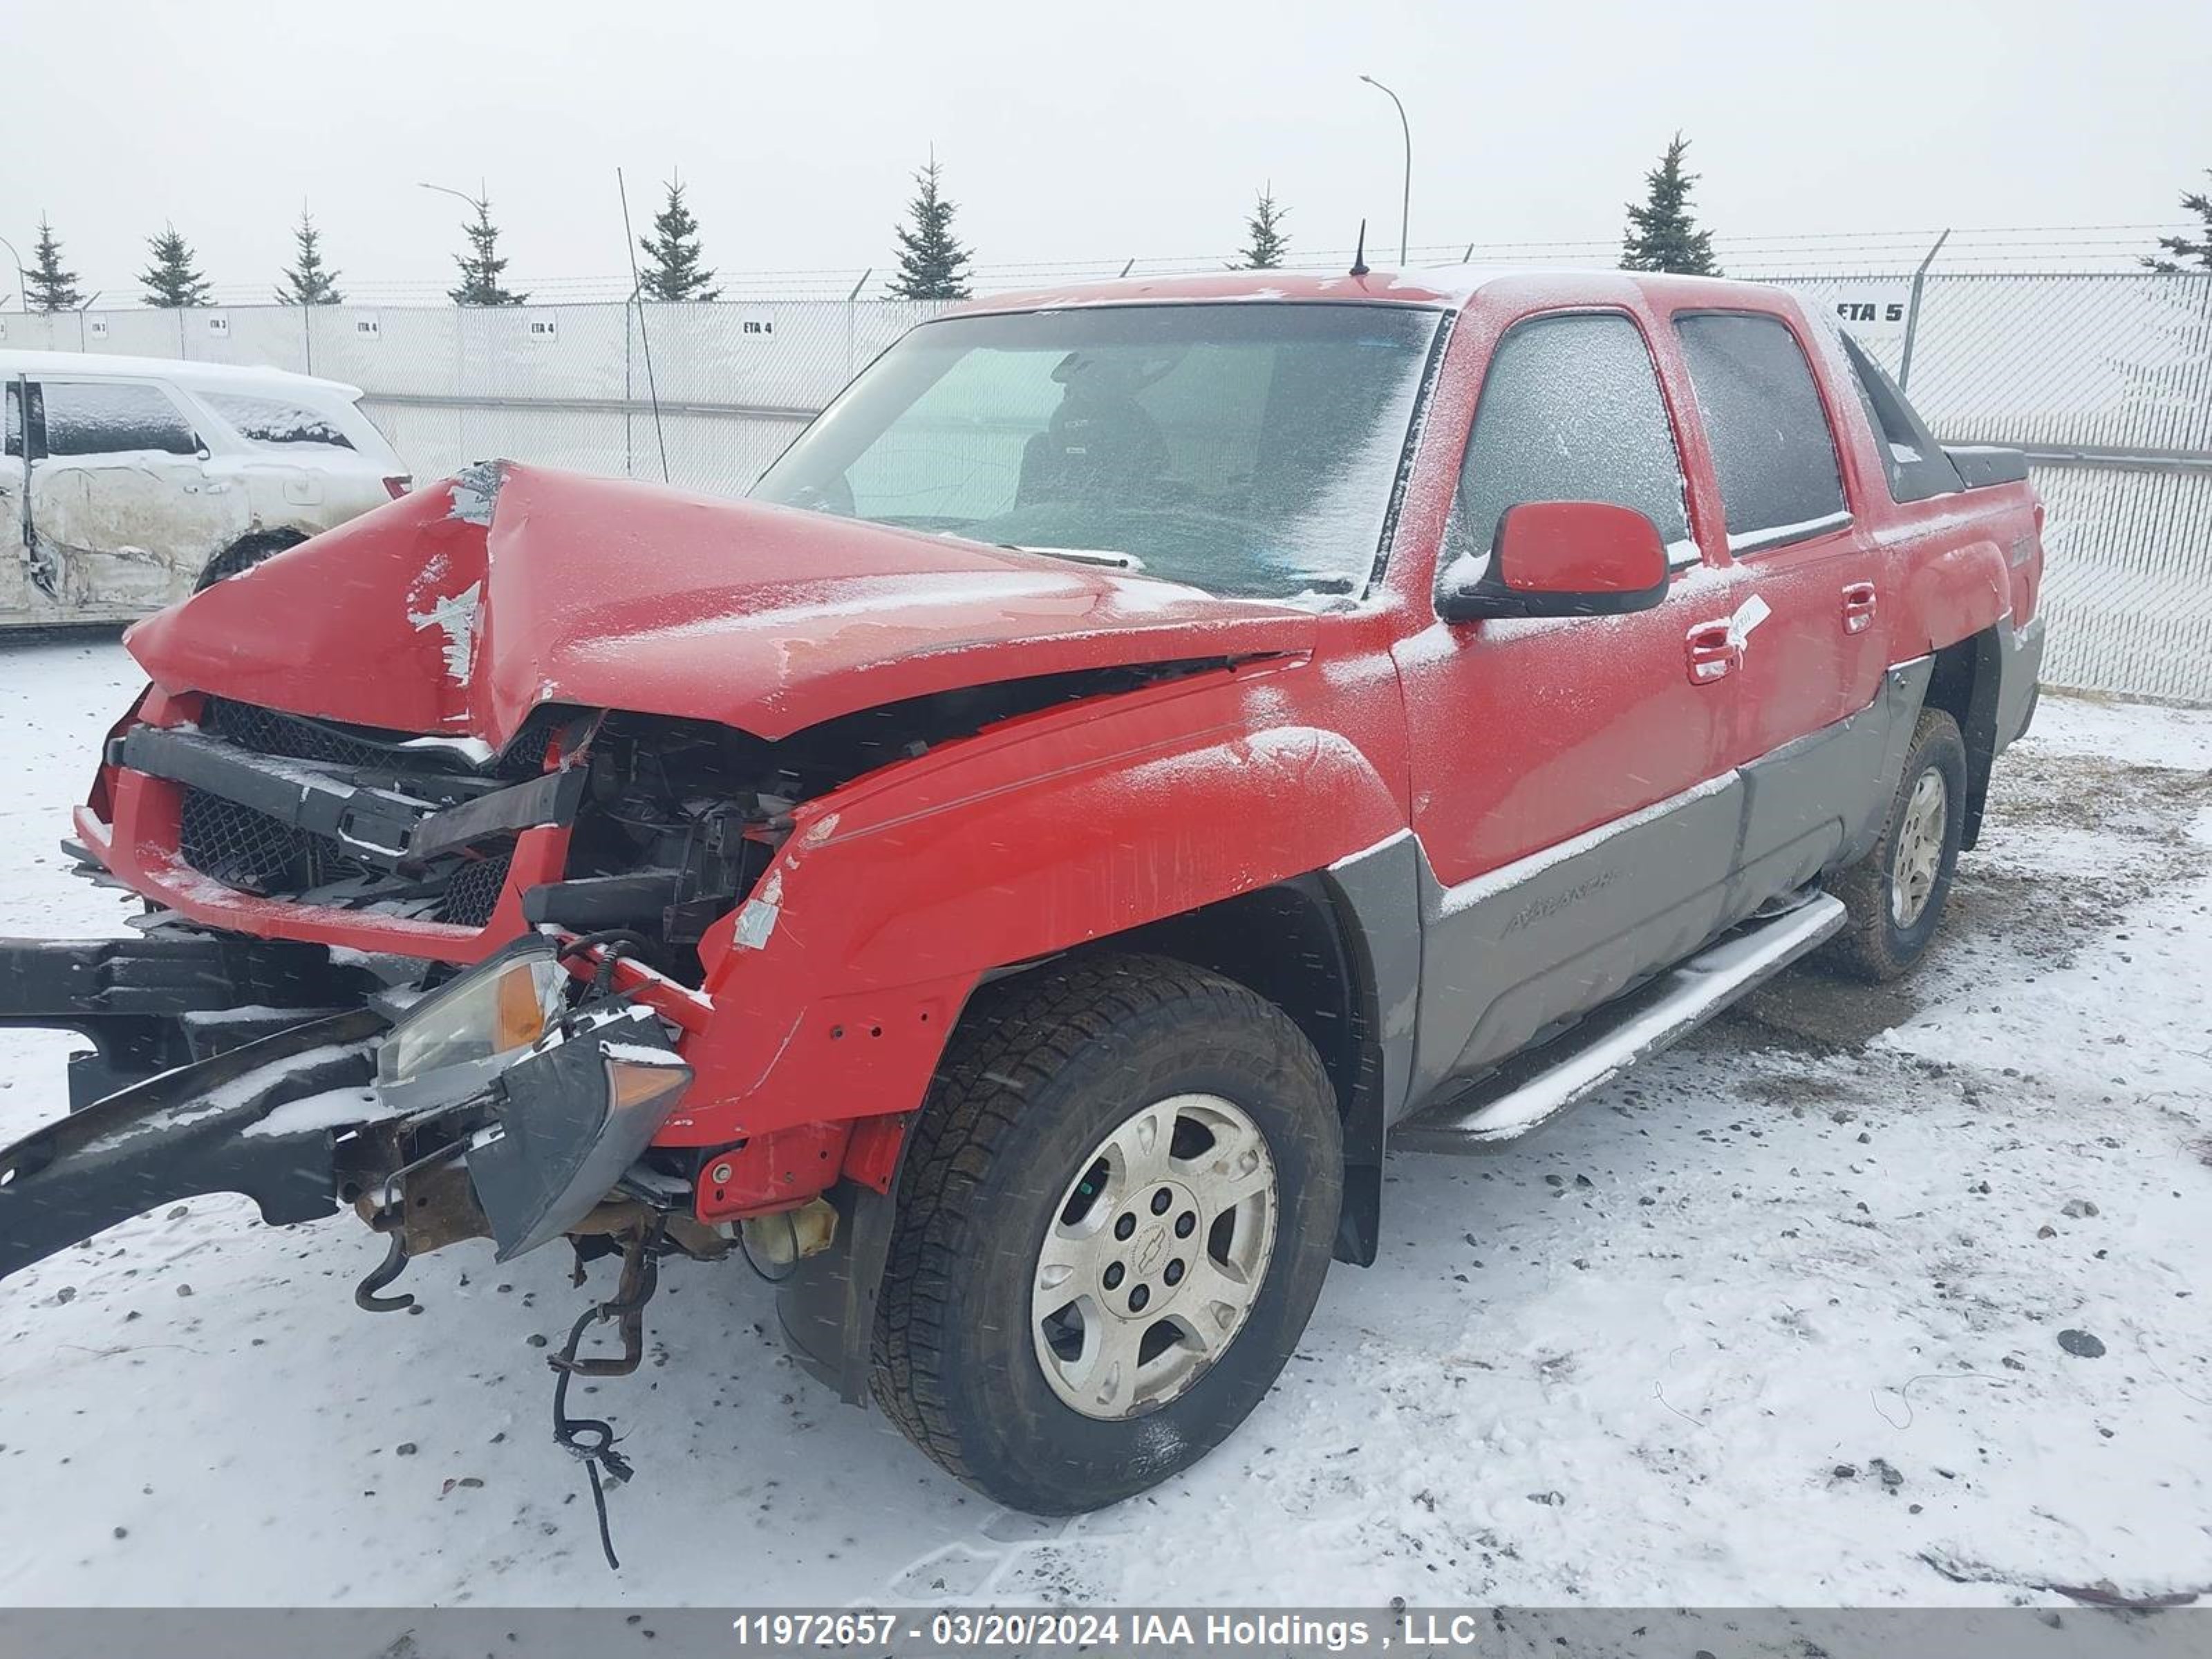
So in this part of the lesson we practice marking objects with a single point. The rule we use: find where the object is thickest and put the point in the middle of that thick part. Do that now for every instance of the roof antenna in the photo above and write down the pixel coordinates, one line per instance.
(1359, 254)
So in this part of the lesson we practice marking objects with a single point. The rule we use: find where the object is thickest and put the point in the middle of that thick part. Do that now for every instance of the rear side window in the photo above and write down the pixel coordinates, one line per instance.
(1914, 462)
(272, 421)
(1571, 411)
(1771, 446)
(91, 417)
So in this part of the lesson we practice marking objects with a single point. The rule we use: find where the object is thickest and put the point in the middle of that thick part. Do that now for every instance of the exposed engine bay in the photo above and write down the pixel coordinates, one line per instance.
(680, 817)
(670, 821)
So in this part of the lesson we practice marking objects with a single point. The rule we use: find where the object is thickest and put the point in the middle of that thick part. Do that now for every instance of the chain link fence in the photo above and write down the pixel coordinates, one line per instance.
(2107, 382)
(2106, 379)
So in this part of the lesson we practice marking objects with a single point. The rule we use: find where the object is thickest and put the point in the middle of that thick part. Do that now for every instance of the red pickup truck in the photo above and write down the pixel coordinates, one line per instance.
(1140, 750)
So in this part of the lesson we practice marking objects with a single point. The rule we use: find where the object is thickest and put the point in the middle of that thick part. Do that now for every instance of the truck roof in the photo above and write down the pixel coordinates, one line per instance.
(212, 377)
(1440, 285)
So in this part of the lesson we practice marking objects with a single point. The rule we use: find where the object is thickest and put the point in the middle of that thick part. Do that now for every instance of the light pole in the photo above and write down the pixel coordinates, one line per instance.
(1405, 199)
(20, 272)
(481, 202)
(476, 202)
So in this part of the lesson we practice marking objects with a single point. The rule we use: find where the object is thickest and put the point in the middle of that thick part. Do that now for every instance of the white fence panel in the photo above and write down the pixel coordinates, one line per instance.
(2106, 379)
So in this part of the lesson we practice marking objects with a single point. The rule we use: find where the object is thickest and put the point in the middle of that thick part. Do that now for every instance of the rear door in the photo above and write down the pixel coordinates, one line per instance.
(1566, 785)
(1809, 607)
(123, 500)
(296, 457)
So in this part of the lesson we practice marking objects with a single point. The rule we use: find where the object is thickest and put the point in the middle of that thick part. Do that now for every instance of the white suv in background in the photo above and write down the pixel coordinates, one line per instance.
(148, 478)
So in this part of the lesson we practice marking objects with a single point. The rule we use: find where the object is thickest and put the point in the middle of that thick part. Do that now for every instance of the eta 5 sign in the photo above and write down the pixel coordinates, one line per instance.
(1869, 311)
(1875, 308)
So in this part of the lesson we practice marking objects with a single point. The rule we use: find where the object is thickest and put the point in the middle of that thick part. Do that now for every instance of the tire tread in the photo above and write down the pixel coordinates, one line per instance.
(1007, 1049)
(1865, 949)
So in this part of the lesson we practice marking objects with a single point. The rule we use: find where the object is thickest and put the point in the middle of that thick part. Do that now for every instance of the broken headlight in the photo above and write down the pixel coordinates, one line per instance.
(499, 1007)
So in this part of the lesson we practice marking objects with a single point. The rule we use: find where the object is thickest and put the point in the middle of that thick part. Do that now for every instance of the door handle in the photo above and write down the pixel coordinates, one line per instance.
(1712, 651)
(1859, 601)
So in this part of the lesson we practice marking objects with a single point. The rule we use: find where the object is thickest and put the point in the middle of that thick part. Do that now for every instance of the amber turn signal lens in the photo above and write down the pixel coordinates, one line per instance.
(519, 1019)
(632, 1087)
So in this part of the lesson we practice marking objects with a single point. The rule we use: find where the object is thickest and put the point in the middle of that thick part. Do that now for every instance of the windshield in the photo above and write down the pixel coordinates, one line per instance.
(1247, 449)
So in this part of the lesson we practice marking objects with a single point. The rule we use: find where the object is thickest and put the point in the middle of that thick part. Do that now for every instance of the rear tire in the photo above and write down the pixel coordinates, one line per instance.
(1113, 1220)
(1895, 895)
(244, 554)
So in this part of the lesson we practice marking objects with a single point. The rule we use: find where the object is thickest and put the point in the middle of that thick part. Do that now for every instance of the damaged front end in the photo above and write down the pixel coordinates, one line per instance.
(511, 1102)
(514, 1101)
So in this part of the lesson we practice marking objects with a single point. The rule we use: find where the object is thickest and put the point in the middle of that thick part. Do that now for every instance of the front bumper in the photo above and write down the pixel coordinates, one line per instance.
(522, 1150)
(201, 1128)
(133, 831)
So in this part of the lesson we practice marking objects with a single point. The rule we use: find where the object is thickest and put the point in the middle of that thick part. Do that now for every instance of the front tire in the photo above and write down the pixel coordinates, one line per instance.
(1895, 894)
(242, 555)
(1114, 1221)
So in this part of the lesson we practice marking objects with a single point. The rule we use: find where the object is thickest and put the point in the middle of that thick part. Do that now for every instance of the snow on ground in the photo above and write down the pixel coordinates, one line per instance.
(1777, 1320)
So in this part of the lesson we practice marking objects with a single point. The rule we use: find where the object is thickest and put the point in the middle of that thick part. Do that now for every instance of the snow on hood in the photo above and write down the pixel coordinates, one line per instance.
(462, 607)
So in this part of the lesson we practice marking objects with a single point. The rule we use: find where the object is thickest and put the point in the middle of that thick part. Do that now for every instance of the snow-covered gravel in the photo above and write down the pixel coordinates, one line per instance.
(1778, 1319)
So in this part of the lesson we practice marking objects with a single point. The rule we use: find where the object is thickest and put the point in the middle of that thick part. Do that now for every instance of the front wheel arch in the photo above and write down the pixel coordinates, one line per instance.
(1323, 948)
(1309, 946)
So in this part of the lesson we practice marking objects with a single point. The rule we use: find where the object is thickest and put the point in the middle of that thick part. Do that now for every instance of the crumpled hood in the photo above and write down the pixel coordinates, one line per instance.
(462, 607)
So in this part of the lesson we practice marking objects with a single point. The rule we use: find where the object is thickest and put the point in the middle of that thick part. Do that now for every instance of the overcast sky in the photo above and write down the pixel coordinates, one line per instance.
(1070, 131)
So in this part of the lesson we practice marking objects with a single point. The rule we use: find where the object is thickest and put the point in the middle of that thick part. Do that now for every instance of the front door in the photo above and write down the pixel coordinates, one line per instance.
(123, 503)
(1570, 788)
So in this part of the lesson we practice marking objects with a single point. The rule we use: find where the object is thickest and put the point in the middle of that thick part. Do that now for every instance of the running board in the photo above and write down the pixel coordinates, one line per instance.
(1531, 1089)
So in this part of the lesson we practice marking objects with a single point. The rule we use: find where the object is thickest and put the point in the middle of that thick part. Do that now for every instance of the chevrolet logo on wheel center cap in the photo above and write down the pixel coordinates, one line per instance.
(1150, 1249)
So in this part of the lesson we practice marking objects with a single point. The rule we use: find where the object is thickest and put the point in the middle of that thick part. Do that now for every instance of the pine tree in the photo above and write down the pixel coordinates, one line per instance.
(1265, 243)
(172, 280)
(932, 266)
(1661, 234)
(481, 265)
(45, 284)
(305, 282)
(2187, 250)
(672, 252)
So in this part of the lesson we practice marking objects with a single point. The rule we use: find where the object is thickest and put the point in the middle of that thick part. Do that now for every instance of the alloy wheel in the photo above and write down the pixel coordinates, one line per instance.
(1919, 855)
(1155, 1255)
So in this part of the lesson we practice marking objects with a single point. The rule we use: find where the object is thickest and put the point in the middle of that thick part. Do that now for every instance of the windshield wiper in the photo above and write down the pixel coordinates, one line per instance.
(1105, 556)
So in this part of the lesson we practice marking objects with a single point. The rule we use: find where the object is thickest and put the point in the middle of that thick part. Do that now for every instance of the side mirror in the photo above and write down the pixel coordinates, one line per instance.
(1564, 559)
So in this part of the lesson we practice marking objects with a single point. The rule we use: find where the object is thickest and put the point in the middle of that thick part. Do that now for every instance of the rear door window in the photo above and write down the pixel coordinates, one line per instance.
(274, 423)
(1571, 411)
(1772, 447)
(114, 417)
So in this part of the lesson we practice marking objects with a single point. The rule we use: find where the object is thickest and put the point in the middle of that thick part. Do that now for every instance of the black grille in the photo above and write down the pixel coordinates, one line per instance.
(243, 849)
(473, 893)
(524, 757)
(257, 853)
(270, 733)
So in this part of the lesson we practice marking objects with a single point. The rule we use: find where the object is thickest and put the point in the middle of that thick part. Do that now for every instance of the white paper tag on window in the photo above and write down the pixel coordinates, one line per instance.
(1748, 615)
